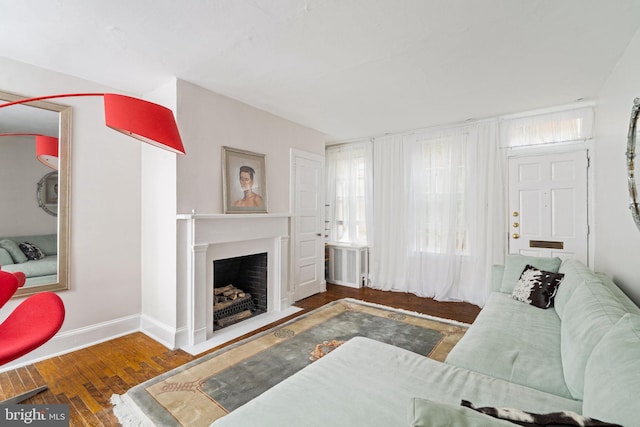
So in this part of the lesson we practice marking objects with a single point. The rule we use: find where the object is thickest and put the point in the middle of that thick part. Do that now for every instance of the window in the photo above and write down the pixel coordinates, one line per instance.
(560, 126)
(348, 174)
(441, 184)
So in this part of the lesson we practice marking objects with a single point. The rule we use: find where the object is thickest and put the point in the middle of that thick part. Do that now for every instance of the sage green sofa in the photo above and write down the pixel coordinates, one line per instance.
(38, 272)
(581, 355)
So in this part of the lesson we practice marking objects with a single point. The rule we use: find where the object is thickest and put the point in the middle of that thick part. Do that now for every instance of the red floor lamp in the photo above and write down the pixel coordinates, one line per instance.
(140, 119)
(40, 316)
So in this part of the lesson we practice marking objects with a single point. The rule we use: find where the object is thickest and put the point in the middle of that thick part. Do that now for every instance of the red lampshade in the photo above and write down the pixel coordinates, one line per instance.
(47, 150)
(143, 120)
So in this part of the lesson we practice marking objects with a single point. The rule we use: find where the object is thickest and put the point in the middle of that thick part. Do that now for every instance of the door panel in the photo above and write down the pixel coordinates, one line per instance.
(548, 205)
(307, 224)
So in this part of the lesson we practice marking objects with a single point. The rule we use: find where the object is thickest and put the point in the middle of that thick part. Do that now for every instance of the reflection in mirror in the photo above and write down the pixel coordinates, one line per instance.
(48, 193)
(33, 240)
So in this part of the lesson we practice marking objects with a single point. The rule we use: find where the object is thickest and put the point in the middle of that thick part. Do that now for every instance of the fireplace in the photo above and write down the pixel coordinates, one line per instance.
(239, 289)
(208, 238)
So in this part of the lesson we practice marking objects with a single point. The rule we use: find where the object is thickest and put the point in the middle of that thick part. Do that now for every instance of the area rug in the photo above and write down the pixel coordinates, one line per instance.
(206, 389)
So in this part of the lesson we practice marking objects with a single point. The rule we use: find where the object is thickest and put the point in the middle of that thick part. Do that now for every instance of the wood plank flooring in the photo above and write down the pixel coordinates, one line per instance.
(86, 379)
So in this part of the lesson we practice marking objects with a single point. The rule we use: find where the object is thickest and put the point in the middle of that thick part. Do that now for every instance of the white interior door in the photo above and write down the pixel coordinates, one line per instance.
(548, 205)
(307, 202)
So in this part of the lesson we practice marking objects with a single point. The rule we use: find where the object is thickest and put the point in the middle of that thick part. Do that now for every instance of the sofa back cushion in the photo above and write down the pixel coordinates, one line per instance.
(575, 274)
(48, 243)
(497, 272)
(612, 379)
(5, 257)
(590, 313)
(14, 250)
(622, 297)
(515, 264)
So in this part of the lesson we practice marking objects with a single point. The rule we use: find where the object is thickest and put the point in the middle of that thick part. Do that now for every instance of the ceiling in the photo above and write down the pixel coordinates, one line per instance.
(348, 68)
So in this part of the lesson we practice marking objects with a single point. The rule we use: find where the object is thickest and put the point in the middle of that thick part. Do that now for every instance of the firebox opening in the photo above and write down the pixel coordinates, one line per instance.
(239, 289)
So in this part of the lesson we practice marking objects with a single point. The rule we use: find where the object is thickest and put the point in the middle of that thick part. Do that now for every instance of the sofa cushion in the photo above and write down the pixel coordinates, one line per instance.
(368, 383)
(428, 413)
(590, 313)
(575, 274)
(48, 243)
(43, 267)
(537, 287)
(515, 264)
(5, 257)
(515, 342)
(497, 272)
(13, 249)
(612, 379)
(621, 296)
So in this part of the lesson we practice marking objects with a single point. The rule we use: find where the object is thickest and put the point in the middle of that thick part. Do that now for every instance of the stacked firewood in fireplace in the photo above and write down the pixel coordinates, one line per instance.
(231, 305)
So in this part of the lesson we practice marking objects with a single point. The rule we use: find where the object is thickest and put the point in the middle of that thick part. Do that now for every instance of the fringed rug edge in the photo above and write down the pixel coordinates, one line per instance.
(128, 413)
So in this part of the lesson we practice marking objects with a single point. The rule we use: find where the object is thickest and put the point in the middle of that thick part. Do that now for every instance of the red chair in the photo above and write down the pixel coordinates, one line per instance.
(34, 322)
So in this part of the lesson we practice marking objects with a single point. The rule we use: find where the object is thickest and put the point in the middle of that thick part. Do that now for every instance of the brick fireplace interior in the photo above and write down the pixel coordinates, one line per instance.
(240, 289)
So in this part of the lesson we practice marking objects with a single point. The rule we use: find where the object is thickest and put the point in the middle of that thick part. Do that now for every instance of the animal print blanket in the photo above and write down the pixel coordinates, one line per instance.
(528, 419)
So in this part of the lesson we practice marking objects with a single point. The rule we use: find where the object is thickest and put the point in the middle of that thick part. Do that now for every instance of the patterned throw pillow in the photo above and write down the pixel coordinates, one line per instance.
(31, 251)
(537, 287)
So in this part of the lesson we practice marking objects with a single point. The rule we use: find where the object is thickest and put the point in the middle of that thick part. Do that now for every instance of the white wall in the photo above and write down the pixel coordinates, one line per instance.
(20, 173)
(159, 291)
(209, 121)
(125, 197)
(104, 298)
(617, 240)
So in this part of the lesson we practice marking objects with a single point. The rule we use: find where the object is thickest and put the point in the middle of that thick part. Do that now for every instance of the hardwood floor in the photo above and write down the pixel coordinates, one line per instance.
(86, 379)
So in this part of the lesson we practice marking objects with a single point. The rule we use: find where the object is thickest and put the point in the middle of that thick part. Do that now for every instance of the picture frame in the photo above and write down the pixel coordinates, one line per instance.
(244, 181)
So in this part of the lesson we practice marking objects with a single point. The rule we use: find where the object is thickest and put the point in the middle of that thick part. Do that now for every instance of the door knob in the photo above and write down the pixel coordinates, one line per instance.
(516, 225)
(516, 236)
(515, 213)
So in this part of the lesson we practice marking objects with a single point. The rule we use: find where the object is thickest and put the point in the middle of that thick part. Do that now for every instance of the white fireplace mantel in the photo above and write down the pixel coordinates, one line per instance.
(208, 237)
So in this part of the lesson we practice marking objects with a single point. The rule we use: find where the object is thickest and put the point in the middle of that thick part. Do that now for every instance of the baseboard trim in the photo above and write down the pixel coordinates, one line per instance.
(76, 339)
(171, 338)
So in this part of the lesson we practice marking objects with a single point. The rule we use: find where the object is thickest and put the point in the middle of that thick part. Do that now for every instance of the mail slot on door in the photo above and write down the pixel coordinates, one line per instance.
(546, 244)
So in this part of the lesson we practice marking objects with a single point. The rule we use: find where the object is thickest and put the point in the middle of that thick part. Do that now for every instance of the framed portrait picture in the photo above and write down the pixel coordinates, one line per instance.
(244, 183)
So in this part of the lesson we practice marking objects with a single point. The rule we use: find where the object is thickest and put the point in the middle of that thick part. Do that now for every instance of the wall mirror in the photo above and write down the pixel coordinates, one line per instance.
(634, 129)
(22, 216)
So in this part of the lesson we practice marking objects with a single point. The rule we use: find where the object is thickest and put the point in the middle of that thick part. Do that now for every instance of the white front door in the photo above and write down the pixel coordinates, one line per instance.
(548, 205)
(307, 209)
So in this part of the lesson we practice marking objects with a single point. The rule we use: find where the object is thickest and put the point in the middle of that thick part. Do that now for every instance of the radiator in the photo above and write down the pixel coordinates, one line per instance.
(348, 265)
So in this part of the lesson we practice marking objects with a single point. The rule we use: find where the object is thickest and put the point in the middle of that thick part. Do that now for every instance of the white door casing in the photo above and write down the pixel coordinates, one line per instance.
(307, 224)
(548, 205)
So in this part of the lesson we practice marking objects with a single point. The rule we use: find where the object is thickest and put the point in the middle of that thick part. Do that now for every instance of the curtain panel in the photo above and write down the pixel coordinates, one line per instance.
(438, 212)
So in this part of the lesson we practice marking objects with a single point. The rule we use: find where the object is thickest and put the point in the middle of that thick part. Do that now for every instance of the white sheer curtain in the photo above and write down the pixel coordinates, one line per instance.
(349, 192)
(388, 249)
(438, 212)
